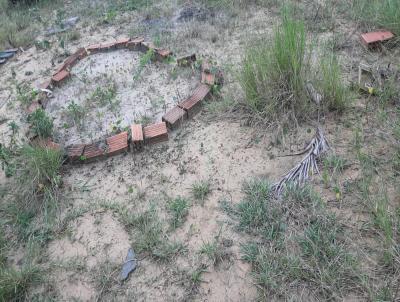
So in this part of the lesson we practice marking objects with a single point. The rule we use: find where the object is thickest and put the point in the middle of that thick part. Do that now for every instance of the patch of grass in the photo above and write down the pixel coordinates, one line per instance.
(201, 189)
(149, 229)
(42, 124)
(214, 251)
(258, 213)
(272, 75)
(39, 168)
(195, 276)
(179, 209)
(296, 241)
(105, 278)
(14, 284)
(336, 95)
(329, 266)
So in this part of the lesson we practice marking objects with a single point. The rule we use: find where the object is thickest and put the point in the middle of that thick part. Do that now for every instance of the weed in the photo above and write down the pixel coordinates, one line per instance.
(272, 75)
(336, 95)
(148, 226)
(25, 94)
(195, 276)
(77, 113)
(179, 209)
(166, 250)
(213, 250)
(200, 190)
(42, 124)
(144, 60)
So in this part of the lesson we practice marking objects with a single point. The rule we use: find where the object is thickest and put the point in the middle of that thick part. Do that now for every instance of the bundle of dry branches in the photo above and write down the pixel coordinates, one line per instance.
(307, 167)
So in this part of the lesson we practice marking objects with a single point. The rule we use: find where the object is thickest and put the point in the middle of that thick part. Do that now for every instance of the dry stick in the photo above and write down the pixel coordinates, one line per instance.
(307, 167)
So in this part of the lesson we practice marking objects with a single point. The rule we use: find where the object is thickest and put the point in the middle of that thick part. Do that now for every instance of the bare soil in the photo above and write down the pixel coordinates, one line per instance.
(222, 149)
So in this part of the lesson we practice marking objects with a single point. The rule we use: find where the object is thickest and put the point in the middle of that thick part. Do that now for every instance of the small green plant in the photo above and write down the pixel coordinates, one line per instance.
(41, 123)
(25, 94)
(179, 209)
(77, 113)
(144, 60)
(200, 190)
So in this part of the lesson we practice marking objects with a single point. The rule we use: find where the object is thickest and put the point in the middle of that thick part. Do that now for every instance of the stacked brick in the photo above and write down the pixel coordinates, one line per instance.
(138, 136)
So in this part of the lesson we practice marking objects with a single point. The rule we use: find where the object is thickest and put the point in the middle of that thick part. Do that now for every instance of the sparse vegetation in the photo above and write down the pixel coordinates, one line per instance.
(341, 243)
(381, 13)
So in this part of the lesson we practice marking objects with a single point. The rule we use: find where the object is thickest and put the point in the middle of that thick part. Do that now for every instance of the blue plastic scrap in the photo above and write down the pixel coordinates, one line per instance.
(129, 265)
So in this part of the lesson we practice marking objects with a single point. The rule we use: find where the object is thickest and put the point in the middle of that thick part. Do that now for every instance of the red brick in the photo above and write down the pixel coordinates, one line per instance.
(145, 46)
(206, 66)
(122, 43)
(107, 46)
(175, 117)
(155, 133)
(207, 78)
(60, 76)
(93, 151)
(117, 143)
(74, 152)
(93, 48)
(186, 60)
(33, 107)
(375, 37)
(82, 53)
(162, 54)
(137, 135)
(73, 59)
(193, 104)
(135, 43)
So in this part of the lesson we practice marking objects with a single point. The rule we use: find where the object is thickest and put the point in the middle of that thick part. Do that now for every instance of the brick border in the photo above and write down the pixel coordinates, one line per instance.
(137, 135)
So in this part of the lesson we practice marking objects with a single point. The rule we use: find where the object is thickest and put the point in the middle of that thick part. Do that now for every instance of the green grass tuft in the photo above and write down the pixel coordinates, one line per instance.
(179, 209)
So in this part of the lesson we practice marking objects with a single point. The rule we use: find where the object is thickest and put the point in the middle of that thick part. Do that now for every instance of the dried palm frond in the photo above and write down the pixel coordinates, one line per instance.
(307, 167)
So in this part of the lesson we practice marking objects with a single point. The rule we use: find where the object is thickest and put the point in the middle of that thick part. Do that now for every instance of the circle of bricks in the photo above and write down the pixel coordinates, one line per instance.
(138, 135)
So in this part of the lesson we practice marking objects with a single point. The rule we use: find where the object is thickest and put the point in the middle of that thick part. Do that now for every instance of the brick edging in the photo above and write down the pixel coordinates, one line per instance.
(137, 136)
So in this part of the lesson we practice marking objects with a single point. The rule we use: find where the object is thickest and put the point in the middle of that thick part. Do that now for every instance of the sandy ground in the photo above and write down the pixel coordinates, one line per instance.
(223, 151)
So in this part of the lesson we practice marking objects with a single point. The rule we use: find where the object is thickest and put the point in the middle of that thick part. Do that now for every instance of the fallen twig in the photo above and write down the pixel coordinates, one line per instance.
(307, 167)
